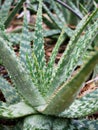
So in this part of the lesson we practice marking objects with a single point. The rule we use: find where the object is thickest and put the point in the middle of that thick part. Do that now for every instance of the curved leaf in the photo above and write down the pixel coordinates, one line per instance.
(60, 75)
(15, 111)
(4, 10)
(64, 96)
(82, 107)
(10, 94)
(38, 46)
(25, 47)
(38, 122)
(21, 78)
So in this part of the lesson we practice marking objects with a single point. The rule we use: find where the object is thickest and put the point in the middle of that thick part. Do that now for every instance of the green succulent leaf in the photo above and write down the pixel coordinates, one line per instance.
(25, 47)
(72, 53)
(15, 110)
(20, 77)
(82, 107)
(80, 49)
(38, 46)
(39, 63)
(15, 38)
(59, 100)
(85, 124)
(50, 65)
(43, 95)
(9, 92)
(38, 122)
(55, 50)
(4, 10)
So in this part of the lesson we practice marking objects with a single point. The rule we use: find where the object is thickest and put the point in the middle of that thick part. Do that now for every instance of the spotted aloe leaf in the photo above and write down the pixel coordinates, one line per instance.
(85, 124)
(82, 107)
(4, 10)
(74, 50)
(50, 65)
(15, 37)
(25, 47)
(38, 122)
(41, 122)
(35, 72)
(38, 46)
(10, 94)
(69, 89)
(38, 54)
(55, 50)
(79, 51)
(13, 111)
(20, 77)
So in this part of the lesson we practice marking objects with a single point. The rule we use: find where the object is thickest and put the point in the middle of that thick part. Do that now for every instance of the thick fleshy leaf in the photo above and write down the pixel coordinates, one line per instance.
(82, 107)
(38, 51)
(85, 124)
(9, 92)
(25, 47)
(59, 101)
(38, 46)
(5, 10)
(55, 50)
(38, 122)
(60, 75)
(21, 78)
(15, 37)
(50, 67)
(79, 51)
(16, 110)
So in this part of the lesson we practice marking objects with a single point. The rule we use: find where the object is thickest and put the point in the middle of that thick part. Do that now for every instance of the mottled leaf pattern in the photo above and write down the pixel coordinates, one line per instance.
(20, 77)
(10, 94)
(38, 46)
(4, 10)
(60, 75)
(85, 124)
(38, 122)
(25, 95)
(69, 89)
(15, 37)
(25, 47)
(50, 66)
(16, 110)
(82, 107)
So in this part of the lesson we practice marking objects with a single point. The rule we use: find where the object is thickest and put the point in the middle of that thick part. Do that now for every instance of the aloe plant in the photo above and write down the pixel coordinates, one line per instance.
(43, 95)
